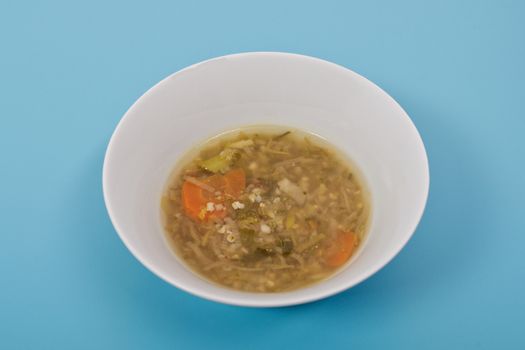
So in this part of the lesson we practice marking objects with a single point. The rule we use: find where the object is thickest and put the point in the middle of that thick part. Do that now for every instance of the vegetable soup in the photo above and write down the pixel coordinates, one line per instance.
(265, 209)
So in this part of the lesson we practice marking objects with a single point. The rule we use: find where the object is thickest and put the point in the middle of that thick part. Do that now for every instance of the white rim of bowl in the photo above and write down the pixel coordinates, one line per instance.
(275, 299)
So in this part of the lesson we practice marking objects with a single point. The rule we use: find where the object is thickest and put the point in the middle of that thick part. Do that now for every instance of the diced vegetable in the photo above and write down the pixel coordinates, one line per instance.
(217, 182)
(192, 199)
(235, 182)
(215, 164)
(248, 215)
(221, 162)
(343, 248)
(291, 189)
(195, 199)
(249, 221)
(286, 245)
(196, 194)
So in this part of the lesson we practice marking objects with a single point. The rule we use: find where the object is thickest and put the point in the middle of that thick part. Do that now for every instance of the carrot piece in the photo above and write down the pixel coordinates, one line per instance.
(235, 182)
(193, 200)
(218, 182)
(342, 250)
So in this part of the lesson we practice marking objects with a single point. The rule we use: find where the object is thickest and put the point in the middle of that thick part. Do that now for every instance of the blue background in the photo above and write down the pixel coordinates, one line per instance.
(69, 71)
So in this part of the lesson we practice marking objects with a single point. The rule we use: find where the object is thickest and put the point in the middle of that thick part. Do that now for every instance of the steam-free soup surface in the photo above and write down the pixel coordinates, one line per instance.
(265, 210)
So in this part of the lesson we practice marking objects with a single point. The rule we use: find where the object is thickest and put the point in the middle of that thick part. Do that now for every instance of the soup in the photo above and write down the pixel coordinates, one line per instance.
(265, 210)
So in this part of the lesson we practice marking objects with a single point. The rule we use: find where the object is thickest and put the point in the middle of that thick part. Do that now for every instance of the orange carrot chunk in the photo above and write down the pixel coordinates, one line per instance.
(343, 248)
(195, 199)
(235, 182)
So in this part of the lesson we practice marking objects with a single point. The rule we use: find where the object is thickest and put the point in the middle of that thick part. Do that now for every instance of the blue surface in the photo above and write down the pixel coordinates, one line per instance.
(68, 72)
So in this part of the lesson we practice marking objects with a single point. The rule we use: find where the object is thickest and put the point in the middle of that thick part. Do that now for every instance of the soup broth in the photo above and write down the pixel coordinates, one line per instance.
(265, 209)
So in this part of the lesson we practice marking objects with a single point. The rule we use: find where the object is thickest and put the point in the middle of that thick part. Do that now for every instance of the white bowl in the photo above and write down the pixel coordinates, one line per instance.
(265, 88)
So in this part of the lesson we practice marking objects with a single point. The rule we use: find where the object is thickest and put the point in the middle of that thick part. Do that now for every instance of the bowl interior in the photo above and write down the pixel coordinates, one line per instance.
(265, 88)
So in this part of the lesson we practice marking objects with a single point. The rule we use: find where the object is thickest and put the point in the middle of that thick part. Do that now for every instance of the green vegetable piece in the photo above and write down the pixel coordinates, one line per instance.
(221, 162)
(286, 245)
(214, 164)
(246, 217)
